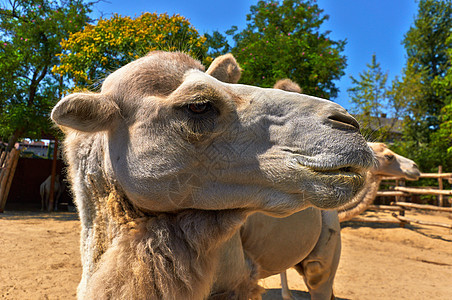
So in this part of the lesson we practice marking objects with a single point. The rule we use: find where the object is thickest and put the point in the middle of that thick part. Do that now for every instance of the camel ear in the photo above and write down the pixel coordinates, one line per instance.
(225, 68)
(287, 85)
(85, 112)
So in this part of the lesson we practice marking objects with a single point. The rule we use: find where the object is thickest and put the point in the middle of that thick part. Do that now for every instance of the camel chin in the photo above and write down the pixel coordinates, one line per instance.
(338, 186)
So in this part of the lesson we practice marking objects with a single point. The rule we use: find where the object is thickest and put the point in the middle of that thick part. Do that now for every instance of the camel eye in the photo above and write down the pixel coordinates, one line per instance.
(199, 107)
(389, 157)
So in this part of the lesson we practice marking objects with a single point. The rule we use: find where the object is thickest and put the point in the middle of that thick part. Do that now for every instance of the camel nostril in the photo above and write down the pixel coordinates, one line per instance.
(344, 119)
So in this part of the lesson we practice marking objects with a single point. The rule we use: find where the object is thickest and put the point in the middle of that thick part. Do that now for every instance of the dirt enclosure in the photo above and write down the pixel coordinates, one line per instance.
(39, 259)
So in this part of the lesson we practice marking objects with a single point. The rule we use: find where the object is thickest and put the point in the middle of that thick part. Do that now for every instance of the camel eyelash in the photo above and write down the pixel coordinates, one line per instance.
(199, 117)
(199, 107)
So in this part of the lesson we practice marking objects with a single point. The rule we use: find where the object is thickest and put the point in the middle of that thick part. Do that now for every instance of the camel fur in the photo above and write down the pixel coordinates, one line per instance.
(225, 68)
(167, 163)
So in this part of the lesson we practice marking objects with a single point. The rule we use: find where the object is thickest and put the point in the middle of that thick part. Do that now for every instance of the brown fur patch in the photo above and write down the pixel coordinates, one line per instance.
(288, 85)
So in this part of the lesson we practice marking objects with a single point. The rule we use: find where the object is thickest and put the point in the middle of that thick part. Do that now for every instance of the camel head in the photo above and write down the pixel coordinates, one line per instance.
(172, 137)
(392, 164)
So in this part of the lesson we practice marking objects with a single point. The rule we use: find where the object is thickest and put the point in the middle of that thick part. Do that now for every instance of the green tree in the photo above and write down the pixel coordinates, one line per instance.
(374, 104)
(89, 55)
(427, 44)
(283, 40)
(217, 44)
(30, 35)
(369, 98)
(442, 138)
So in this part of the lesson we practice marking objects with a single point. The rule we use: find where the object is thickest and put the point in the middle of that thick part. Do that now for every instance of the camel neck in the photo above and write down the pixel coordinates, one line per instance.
(363, 199)
(164, 256)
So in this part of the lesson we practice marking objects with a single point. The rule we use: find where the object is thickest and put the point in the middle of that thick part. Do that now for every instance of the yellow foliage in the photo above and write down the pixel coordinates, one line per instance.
(114, 42)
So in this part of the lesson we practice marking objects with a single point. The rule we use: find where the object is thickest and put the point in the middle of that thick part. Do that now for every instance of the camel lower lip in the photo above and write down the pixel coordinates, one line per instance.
(345, 171)
(319, 166)
(342, 171)
(342, 176)
(341, 187)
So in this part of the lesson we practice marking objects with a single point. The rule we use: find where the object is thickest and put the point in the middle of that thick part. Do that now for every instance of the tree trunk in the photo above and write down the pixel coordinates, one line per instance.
(14, 138)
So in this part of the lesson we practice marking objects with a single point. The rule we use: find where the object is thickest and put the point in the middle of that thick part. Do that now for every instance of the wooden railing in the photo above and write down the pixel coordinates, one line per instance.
(400, 218)
(401, 192)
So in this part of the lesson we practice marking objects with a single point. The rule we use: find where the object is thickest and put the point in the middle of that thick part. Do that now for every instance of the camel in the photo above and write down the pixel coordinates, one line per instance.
(167, 162)
(45, 192)
(290, 234)
(389, 164)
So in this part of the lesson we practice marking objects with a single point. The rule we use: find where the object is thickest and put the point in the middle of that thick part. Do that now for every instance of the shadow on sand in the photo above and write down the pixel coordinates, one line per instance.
(275, 294)
(412, 227)
(40, 215)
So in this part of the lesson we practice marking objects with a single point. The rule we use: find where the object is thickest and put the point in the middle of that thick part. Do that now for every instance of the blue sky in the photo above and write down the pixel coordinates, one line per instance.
(369, 26)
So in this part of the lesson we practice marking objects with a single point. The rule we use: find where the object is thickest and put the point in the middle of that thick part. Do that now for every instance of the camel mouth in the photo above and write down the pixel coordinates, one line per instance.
(347, 173)
(347, 169)
(332, 163)
(412, 176)
(340, 185)
(336, 171)
(352, 174)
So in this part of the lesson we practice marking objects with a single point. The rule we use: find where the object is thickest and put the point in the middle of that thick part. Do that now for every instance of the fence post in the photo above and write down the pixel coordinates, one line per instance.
(397, 198)
(402, 183)
(7, 175)
(403, 198)
(2, 158)
(52, 177)
(440, 184)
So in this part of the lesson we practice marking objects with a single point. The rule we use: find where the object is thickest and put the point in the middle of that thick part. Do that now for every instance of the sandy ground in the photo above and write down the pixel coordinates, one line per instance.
(39, 259)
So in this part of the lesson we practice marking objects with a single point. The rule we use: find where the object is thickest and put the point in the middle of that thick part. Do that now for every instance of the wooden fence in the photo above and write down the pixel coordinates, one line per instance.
(400, 193)
(8, 163)
(400, 218)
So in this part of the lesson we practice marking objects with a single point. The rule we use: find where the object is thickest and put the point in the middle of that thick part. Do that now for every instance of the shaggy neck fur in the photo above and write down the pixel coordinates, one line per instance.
(167, 256)
(131, 254)
(362, 201)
